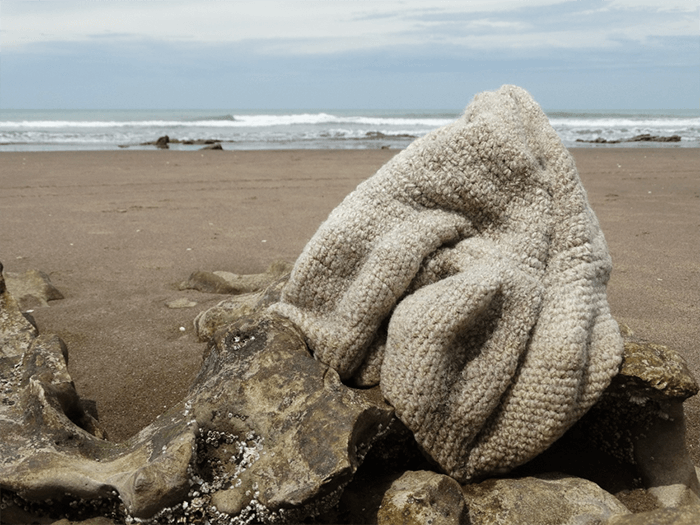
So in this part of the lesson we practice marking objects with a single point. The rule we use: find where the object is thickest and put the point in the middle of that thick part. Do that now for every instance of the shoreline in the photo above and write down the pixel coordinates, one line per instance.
(117, 231)
(193, 145)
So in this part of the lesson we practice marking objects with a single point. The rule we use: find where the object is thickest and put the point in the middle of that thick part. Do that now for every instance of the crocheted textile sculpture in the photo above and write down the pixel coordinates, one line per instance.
(468, 277)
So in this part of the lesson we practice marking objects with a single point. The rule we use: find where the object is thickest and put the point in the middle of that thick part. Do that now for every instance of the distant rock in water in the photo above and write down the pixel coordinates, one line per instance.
(645, 137)
(380, 135)
(229, 118)
(164, 142)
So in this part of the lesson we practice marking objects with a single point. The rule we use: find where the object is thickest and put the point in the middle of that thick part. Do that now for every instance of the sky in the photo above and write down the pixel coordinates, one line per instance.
(377, 54)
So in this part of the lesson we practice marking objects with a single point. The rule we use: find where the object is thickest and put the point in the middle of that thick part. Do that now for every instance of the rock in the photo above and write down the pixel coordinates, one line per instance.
(391, 457)
(162, 142)
(640, 421)
(645, 137)
(266, 431)
(417, 498)
(552, 498)
(653, 371)
(231, 283)
(670, 516)
(468, 277)
(182, 302)
(31, 289)
(599, 140)
(216, 146)
(92, 521)
(16, 331)
(316, 431)
(237, 306)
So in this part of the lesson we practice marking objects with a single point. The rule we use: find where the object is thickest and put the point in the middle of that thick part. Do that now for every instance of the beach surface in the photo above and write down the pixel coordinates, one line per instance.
(117, 232)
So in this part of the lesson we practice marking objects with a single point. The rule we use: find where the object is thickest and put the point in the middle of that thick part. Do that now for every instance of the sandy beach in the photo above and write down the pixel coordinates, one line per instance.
(118, 231)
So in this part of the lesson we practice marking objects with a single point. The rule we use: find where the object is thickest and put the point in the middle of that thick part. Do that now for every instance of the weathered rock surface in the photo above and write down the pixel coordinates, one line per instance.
(265, 430)
(227, 311)
(552, 498)
(670, 516)
(16, 331)
(653, 371)
(417, 498)
(31, 289)
(234, 284)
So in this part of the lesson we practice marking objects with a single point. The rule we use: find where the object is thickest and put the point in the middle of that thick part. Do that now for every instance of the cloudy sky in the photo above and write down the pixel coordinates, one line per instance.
(307, 54)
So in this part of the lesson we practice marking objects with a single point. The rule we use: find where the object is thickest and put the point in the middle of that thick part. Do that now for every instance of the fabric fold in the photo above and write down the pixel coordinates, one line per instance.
(468, 278)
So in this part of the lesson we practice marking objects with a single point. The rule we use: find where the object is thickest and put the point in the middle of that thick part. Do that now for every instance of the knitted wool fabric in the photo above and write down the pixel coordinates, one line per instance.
(467, 277)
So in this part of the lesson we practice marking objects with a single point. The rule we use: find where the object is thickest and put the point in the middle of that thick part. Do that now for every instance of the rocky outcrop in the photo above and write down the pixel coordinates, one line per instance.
(165, 141)
(17, 331)
(266, 431)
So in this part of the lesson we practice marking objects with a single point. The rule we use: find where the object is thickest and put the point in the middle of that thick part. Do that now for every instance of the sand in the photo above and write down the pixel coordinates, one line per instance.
(118, 231)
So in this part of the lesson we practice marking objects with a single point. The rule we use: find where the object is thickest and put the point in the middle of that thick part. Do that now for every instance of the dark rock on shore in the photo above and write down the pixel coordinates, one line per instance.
(646, 137)
(216, 146)
(380, 135)
(164, 141)
(640, 421)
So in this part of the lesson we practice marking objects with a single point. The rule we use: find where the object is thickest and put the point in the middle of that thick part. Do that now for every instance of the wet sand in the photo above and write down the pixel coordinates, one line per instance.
(118, 231)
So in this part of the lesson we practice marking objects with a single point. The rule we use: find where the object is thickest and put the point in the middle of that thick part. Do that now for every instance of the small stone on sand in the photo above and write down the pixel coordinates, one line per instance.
(182, 302)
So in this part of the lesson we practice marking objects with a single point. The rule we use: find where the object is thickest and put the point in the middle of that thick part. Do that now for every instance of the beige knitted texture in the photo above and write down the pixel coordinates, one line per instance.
(467, 277)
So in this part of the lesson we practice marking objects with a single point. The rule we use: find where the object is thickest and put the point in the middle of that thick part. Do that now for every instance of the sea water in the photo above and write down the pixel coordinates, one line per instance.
(56, 130)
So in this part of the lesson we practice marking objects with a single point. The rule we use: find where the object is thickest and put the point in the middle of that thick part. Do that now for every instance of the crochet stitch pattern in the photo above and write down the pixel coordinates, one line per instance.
(468, 278)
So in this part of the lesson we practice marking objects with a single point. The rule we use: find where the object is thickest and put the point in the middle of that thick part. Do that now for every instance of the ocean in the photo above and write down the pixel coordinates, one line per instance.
(72, 130)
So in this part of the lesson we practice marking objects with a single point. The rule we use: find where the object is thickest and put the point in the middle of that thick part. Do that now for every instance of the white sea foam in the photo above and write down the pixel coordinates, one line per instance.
(37, 130)
(238, 122)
